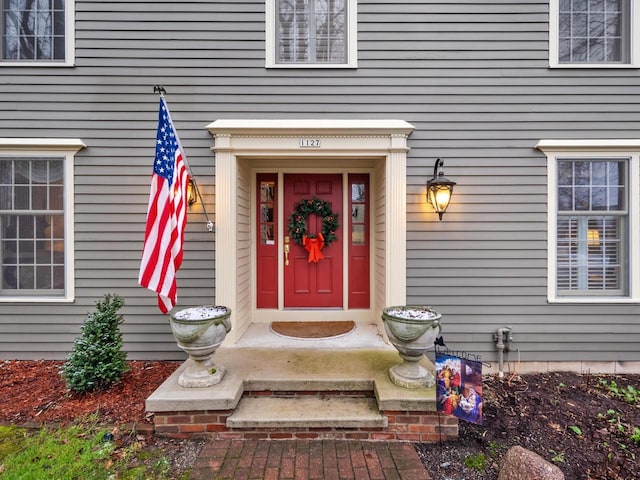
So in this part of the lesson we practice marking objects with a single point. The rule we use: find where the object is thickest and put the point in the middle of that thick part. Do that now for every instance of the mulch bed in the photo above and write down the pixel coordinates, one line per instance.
(34, 392)
(569, 419)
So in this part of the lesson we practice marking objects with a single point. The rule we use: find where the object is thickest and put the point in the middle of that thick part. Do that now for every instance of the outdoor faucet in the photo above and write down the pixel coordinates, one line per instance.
(503, 339)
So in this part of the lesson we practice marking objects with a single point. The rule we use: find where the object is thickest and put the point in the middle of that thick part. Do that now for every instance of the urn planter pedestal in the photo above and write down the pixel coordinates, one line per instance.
(412, 330)
(199, 331)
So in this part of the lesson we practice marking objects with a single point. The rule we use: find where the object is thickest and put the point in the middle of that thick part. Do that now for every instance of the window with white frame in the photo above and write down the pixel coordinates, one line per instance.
(37, 31)
(591, 226)
(36, 191)
(311, 33)
(593, 222)
(592, 33)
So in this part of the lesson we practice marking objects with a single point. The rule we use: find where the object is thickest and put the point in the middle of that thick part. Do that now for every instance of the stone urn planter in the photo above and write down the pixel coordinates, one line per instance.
(199, 331)
(412, 330)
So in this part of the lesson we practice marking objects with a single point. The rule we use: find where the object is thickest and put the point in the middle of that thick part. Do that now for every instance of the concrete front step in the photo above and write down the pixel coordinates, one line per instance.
(351, 378)
(308, 412)
(290, 370)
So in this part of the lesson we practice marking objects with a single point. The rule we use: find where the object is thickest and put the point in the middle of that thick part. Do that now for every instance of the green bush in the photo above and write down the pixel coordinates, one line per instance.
(97, 359)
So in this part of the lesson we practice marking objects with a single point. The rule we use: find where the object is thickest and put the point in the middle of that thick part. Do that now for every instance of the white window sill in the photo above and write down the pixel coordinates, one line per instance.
(36, 64)
(312, 65)
(594, 65)
(591, 300)
(35, 299)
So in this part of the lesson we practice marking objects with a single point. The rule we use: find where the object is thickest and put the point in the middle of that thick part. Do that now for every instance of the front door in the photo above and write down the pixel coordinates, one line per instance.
(313, 276)
(308, 276)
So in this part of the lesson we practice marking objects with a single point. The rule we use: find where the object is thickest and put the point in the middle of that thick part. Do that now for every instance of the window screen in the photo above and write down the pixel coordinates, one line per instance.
(32, 246)
(591, 237)
(594, 31)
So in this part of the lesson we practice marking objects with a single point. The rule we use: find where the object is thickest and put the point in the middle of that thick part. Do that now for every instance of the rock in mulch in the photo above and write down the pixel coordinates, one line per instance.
(522, 464)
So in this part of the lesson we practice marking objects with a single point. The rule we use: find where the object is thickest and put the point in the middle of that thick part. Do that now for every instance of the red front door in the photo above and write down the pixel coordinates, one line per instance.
(309, 284)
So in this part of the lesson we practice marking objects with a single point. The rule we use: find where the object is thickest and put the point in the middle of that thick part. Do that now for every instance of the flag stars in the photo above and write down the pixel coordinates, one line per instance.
(166, 148)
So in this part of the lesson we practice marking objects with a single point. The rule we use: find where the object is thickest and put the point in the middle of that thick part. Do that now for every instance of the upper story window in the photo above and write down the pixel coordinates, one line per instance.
(37, 32)
(593, 33)
(36, 234)
(311, 33)
(594, 227)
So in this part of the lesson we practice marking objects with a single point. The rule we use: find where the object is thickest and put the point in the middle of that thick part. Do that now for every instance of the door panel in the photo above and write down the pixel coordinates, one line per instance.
(310, 284)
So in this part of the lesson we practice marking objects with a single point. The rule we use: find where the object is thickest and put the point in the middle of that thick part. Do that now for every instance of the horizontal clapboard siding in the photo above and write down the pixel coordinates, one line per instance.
(471, 76)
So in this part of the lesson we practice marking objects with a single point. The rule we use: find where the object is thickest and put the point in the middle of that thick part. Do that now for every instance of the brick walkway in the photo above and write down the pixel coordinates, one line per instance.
(308, 459)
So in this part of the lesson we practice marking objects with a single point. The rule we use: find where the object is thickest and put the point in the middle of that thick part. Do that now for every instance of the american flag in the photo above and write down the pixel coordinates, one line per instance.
(166, 214)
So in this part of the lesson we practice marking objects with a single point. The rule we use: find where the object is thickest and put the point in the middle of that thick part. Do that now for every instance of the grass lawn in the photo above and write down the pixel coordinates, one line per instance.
(77, 452)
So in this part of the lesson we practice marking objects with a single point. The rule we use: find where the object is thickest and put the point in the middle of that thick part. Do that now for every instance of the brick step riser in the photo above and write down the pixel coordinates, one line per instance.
(403, 426)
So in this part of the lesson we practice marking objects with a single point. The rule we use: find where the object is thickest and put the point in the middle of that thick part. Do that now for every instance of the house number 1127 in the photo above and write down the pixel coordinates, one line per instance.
(309, 143)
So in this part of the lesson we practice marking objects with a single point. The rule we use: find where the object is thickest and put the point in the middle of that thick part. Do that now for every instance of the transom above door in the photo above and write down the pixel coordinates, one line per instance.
(313, 242)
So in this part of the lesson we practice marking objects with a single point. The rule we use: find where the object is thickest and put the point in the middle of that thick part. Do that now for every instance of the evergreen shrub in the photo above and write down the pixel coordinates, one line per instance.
(97, 360)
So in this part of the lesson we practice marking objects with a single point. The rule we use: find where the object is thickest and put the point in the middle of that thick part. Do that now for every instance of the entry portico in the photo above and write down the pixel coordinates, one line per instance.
(244, 148)
(283, 387)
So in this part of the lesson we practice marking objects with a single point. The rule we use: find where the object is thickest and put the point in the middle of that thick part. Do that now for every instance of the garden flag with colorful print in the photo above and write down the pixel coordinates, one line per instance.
(166, 214)
(459, 387)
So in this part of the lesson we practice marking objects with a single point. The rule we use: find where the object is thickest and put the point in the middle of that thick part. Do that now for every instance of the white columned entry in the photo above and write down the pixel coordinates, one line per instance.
(241, 144)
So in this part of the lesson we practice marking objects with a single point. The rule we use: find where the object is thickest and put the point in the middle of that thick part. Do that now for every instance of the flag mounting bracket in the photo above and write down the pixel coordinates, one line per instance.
(204, 210)
(159, 89)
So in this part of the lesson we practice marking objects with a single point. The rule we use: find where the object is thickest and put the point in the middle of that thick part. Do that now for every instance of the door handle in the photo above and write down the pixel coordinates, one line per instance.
(286, 250)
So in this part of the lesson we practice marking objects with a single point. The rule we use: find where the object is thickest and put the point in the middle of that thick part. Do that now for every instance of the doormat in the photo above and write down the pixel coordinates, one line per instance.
(312, 330)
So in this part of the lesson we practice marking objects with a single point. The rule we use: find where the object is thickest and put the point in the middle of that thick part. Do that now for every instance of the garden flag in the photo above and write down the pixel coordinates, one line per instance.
(166, 214)
(459, 387)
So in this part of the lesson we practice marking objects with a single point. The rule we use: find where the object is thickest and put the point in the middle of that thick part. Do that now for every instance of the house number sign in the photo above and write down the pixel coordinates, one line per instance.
(309, 143)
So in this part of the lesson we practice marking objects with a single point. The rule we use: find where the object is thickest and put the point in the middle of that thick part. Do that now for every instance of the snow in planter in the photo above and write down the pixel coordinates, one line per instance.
(201, 313)
(413, 313)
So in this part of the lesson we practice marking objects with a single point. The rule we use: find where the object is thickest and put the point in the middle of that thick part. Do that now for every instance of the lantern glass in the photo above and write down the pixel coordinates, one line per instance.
(439, 189)
(439, 197)
(191, 192)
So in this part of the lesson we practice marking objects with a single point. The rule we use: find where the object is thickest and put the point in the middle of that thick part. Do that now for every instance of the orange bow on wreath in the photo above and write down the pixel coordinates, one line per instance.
(314, 246)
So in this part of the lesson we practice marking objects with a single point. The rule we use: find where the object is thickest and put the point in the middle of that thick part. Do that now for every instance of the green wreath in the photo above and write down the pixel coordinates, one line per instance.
(298, 220)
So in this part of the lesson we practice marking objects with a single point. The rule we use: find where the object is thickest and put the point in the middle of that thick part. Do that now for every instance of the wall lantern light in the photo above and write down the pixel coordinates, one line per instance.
(191, 192)
(439, 189)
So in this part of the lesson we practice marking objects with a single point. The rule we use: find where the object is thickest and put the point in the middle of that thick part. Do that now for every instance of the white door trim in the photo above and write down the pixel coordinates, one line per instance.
(239, 142)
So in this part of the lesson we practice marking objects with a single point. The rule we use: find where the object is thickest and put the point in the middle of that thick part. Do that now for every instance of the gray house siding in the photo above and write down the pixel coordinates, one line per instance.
(472, 77)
